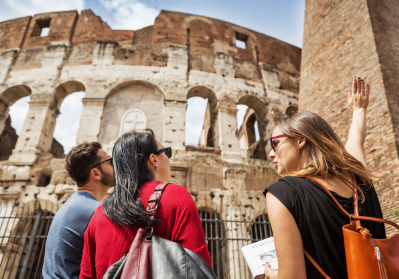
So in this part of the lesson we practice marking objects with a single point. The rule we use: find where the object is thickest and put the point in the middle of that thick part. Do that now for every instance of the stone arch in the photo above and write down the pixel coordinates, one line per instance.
(162, 17)
(64, 89)
(14, 93)
(260, 109)
(127, 96)
(209, 129)
(129, 83)
(187, 20)
(8, 136)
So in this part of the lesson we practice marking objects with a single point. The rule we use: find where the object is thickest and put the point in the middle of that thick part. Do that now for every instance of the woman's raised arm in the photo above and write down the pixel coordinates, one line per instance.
(359, 101)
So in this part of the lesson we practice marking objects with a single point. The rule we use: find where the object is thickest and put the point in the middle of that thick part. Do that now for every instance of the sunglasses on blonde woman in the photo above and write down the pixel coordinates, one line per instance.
(274, 144)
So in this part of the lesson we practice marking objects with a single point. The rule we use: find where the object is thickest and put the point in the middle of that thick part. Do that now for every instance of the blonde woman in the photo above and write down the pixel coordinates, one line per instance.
(302, 214)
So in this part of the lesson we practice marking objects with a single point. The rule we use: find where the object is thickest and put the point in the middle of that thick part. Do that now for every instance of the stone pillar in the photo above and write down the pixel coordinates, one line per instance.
(4, 109)
(234, 181)
(227, 130)
(90, 121)
(37, 133)
(175, 115)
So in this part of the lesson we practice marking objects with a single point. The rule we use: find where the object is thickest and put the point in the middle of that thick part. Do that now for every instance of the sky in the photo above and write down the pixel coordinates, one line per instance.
(281, 19)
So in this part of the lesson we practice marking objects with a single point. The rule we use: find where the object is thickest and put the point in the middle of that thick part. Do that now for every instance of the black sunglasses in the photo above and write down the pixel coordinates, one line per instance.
(110, 159)
(167, 150)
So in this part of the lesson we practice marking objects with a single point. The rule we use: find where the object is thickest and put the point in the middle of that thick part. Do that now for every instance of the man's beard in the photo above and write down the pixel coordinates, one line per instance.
(107, 179)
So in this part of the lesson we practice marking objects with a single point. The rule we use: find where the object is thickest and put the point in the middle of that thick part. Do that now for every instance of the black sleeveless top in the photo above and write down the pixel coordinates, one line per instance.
(320, 221)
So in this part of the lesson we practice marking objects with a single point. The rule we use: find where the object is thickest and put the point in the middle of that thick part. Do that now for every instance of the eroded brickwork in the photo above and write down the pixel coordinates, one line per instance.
(142, 79)
(343, 40)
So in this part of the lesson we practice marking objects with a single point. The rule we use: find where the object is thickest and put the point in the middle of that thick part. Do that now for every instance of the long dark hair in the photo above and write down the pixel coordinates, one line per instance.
(324, 149)
(129, 158)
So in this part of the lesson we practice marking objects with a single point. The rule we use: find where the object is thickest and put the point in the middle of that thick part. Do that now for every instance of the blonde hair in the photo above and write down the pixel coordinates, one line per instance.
(324, 149)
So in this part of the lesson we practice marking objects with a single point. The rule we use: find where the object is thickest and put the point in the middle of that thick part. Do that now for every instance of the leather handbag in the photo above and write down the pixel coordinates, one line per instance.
(366, 257)
(154, 257)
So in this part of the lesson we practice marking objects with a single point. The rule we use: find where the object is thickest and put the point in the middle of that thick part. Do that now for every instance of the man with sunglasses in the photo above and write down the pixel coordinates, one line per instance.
(91, 168)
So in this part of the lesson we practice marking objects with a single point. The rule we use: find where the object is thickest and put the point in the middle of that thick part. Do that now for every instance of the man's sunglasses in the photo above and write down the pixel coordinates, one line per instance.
(274, 144)
(110, 159)
(167, 150)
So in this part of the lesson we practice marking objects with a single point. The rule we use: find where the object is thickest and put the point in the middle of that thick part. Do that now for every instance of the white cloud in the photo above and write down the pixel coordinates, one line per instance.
(241, 110)
(68, 121)
(130, 14)
(18, 112)
(11, 9)
(195, 115)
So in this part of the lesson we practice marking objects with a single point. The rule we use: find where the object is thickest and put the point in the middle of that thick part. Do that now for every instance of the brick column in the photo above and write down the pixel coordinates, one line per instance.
(328, 68)
(90, 121)
(175, 115)
(37, 133)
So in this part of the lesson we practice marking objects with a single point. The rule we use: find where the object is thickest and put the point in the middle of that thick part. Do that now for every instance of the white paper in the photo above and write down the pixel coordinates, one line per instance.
(258, 254)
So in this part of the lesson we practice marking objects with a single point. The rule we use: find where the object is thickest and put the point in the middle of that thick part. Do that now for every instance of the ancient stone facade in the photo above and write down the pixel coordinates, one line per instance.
(142, 79)
(343, 40)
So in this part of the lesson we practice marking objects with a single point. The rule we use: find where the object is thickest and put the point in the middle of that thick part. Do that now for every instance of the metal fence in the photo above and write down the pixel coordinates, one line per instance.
(225, 237)
(24, 230)
(23, 233)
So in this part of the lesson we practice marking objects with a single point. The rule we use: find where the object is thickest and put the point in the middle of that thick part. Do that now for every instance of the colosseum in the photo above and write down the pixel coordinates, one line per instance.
(143, 79)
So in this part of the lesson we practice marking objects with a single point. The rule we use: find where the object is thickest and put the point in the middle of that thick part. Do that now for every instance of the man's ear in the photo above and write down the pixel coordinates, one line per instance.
(95, 174)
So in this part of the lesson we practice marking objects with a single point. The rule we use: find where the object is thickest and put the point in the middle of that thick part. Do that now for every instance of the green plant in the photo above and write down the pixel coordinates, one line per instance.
(385, 112)
(396, 212)
(379, 156)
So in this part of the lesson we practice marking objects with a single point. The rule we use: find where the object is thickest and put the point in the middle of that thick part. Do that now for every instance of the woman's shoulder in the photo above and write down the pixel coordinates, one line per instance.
(177, 194)
(288, 185)
(289, 181)
(173, 194)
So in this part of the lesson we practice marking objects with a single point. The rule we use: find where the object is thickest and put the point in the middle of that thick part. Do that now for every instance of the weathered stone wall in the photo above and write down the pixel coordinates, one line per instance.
(143, 78)
(343, 40)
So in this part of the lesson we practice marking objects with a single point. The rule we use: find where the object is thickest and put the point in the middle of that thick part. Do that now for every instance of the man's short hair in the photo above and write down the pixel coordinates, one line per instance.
(80, 160)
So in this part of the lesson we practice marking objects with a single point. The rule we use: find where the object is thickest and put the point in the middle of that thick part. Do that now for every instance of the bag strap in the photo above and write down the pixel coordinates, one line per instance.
(316, 265)
(153, 204)
(356, 215)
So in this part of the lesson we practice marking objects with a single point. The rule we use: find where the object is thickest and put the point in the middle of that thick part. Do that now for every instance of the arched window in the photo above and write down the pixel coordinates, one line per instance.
(133, 119)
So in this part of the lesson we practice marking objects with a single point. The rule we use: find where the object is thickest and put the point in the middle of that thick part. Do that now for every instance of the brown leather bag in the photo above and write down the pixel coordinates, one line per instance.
(366, 257)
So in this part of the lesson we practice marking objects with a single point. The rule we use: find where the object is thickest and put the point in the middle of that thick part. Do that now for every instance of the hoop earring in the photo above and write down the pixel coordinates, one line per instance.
(308, 165)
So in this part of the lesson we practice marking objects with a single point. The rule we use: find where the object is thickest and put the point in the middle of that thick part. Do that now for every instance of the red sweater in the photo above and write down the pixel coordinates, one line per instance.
(106, 242)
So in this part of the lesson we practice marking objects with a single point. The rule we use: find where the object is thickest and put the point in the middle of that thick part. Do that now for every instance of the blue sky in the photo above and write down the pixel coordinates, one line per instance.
(281, 19)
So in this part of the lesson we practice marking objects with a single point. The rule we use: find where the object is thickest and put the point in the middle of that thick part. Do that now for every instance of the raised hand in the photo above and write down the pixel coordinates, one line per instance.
(359, 98)
(359, 101)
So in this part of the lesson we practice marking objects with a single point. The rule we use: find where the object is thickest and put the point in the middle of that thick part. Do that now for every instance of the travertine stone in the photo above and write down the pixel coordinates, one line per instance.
(227, 121)
(174, 134)
(144, 78)
(6, 59)
(90, 121)
(36, 135)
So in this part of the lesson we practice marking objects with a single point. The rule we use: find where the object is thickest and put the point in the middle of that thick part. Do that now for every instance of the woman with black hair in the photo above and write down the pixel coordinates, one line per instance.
(140, 164)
